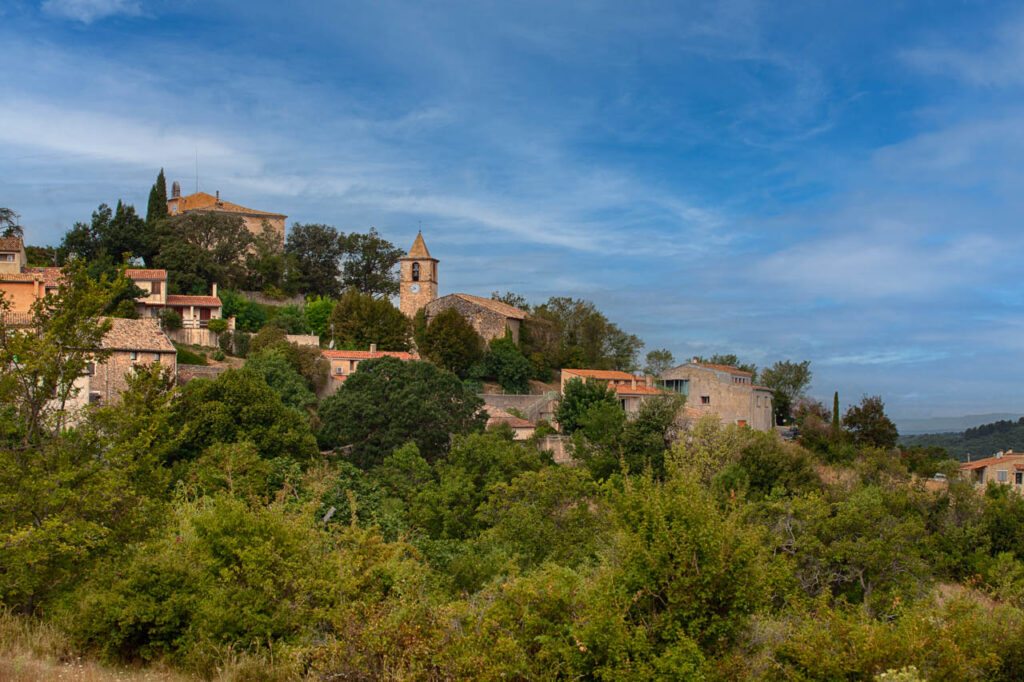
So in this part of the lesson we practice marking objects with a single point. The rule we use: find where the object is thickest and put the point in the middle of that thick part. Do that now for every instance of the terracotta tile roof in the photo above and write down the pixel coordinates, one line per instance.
(496, 416)
(365, 354)
(989, 461)
(721, 368)
(419, 248)
(201, 201)
(11, 244)
(497, 306)
(202, 301)
(604, 374)
(145, 274)
(137, 335)
(50, 276)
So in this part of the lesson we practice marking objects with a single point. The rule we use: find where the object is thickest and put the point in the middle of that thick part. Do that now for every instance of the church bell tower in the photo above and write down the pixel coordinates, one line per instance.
(418, 285)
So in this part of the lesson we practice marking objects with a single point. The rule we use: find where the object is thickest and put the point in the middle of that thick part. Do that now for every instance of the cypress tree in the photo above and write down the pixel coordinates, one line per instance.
(157, 207)
(835, 411)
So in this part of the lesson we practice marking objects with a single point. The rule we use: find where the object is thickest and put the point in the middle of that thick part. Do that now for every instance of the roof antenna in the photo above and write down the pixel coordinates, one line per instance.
(197, 170)
(421, 225)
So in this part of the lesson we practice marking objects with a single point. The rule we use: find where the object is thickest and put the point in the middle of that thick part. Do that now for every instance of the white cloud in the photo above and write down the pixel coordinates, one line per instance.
(1000, 63)
(88, 11)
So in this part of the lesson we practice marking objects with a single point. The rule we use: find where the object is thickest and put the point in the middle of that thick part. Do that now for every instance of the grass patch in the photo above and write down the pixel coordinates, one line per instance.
(189, 357)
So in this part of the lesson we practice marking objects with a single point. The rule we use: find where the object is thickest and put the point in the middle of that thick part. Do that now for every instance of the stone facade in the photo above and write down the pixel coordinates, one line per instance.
(724, 391)
(20, 284)
(133, 343)
(201, 202)
(1004, 468)
(631, 390)
(418, 279)
(489, 318)
(344, 362)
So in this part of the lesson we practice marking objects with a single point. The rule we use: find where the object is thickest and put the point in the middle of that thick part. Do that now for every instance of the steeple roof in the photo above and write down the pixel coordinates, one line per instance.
(419, 248)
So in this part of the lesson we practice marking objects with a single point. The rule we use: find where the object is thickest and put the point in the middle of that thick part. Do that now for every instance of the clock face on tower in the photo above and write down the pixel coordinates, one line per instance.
(415, 288)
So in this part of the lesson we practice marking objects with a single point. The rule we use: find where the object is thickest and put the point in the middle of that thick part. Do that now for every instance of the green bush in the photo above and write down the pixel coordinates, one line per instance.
(240, 342)
(224, 341)
(170, 319)
(218, 326)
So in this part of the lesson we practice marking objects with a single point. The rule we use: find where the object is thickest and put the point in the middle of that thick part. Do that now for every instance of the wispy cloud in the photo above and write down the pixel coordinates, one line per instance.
(999, 62)
(88, 11)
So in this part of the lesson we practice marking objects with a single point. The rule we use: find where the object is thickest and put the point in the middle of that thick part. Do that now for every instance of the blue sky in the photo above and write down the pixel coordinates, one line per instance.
(839, 182)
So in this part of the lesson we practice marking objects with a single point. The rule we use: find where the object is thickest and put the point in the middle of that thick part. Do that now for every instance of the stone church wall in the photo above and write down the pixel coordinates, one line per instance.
(487, 323)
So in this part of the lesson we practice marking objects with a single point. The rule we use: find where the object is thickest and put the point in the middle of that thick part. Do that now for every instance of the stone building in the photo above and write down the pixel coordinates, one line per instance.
(724, 391)
(521, 428)
(344, 362)
(631, 390)
(195, 311)
(418, 289)
(133, 343)
(23, 285)
(201, 202)
(1004, 468)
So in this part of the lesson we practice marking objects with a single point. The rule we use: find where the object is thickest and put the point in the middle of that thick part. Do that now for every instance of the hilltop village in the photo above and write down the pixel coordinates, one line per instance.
(238, 450)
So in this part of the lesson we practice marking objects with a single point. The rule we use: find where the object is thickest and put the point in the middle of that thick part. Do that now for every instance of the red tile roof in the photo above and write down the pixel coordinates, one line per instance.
(201, 201)
(365, 354)
(11, 244)
(497, 306)
(604, 374)
(201, 301)
(989, 461)
(47, 275)
(722, 368)
(419, 248)
(145, 274)
(138, 335)
(496, 416)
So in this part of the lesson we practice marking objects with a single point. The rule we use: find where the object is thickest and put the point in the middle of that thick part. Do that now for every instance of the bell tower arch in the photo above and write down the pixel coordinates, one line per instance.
(418, 279)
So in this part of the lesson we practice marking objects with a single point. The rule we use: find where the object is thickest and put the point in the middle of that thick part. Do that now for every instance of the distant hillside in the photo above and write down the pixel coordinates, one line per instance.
(913, 427)
(980, 441)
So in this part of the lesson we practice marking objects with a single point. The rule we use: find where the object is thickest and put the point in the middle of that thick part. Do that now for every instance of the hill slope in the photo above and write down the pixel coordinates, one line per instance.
(981, 441)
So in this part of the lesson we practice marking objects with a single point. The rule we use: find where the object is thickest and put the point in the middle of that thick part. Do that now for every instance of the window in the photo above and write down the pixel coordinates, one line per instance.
(1001, 475)
(90, 369)
(156, 287)
(759, 401)
(339, 370)
(7, 257)
(680, 386)
(415, 272)
(133, 355)
(351, 365)
(156, 357)
(705, 400)
(1018, 478)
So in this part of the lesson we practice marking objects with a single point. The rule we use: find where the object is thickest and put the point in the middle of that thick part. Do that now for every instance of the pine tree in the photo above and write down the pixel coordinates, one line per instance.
(157, 207)
(835, 412)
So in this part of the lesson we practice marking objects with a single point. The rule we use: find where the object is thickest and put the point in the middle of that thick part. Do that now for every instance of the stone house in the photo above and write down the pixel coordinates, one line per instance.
(630, 389)
(344, 362)
(418, 289)
(23, 285)
(521, 429)
(133, 343)
(201, 202)
(196, 311)
(1004, 468)
(722, 390)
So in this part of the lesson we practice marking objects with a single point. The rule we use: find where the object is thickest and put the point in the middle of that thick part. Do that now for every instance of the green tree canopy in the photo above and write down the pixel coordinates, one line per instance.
(659, 362)
(198, 249)
(869, 424)
(360, 319)
(279, 374)
(316, 251)
(239, 406)
(156, 208)
(387, 403)
(9, 225)
(788, 381)
(506, 363)
(370, 264)
(578, 397)
(450, 342)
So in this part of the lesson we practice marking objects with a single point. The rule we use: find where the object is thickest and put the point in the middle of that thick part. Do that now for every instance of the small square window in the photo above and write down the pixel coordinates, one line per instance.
(1018, 478)
(705, 400)
(133, 355)
(1001, 475)
(156, 357)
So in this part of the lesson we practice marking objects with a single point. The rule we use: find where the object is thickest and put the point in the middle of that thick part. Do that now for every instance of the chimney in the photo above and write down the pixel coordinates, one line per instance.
(373, 348)
(214, 289)
(218, 195)
(633, 383)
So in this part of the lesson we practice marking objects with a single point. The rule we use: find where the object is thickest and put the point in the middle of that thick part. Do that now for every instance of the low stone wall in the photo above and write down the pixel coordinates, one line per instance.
(187, 373)
(303, 339)
(559, 451)
(194, 337)
(263, 299)
(532, 407)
